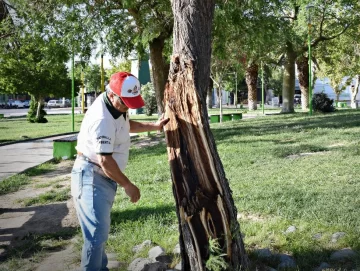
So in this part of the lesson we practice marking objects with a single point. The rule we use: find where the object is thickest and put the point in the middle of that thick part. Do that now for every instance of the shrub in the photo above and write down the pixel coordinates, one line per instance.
(321, 102)
(148, 94)
(31, 116)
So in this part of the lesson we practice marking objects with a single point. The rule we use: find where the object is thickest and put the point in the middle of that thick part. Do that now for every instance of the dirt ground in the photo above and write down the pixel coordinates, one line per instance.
(44, 237)
(21, 227)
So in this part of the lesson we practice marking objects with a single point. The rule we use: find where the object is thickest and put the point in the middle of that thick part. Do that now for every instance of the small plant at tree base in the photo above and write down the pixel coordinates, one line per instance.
(321, 102)
(31, 116)
(148, 94)
(216, 261)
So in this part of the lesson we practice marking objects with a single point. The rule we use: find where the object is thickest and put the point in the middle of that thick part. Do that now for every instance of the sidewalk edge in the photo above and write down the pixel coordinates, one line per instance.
(36, 138)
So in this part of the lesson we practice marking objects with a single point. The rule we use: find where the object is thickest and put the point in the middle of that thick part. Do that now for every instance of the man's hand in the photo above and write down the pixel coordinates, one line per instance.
(133, 192)
(161, 122)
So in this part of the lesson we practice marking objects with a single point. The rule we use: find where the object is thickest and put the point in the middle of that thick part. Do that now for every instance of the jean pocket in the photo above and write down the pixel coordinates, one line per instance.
(76, 182)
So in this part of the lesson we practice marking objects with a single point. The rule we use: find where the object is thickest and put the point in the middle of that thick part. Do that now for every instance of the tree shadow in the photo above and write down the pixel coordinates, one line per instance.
(278, 122)
(305, 260)
(140, 213)
(23, 229)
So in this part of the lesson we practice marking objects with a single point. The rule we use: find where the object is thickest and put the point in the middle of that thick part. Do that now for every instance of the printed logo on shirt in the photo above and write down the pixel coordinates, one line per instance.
(103, 140)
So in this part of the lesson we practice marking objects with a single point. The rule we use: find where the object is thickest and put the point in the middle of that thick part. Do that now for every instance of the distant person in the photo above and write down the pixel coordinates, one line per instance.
(102, 155)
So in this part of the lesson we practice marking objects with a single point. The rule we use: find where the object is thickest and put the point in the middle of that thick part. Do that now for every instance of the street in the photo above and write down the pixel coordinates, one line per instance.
(49, 111)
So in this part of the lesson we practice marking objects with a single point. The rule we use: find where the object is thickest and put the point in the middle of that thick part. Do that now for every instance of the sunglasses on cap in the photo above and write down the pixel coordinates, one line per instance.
(108, 89)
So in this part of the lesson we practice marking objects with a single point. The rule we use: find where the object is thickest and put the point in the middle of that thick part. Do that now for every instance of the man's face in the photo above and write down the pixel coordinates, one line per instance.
(117, 102)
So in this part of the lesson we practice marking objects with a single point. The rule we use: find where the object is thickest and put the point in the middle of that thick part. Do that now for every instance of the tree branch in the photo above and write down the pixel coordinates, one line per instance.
(7, 35)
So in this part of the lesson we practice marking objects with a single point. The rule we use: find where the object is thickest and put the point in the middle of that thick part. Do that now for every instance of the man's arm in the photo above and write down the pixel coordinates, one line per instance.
(138, 127)
(112, 170)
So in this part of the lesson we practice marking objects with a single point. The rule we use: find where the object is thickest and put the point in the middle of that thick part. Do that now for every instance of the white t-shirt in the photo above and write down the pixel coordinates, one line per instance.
(100, 133)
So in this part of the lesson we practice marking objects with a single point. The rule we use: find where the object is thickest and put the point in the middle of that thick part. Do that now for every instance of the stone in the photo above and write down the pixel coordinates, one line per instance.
(157, 266)
(323, 266)
(343, 255)
(336, 236)
(178, 266)
(164, 259)
(111, 256)
(291, 229)
(156, 251)
(176, 249)
(317, 236)
(286, 261)
(138, 264)
(263, 253)
(140, 247)
(115, 264)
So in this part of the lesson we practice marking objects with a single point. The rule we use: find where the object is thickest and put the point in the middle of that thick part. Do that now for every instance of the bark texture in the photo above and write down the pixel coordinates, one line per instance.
(251, 81)
(205, 207)
(303, 75)
(288, 90)
(160, 70)
(209, 97)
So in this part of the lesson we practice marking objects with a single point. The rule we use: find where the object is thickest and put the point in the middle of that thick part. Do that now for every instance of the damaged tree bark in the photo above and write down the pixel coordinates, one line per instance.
(205, 207)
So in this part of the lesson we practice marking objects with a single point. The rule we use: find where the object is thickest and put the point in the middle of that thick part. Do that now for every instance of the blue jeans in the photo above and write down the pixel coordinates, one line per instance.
(93, 197)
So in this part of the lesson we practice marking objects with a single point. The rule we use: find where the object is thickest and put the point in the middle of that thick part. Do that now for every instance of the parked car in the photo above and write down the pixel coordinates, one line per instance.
(10, 104)
(67, 103)
(27, 103)
(18, 104)
(297, 99)
(54, 103)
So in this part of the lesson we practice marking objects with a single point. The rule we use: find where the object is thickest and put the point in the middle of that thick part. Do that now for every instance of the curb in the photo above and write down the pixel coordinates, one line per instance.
(34, 139)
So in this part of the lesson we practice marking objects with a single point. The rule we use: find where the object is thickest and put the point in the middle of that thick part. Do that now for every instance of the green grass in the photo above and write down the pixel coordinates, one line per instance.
(14, 183)
(14, 129)
(276, 183)
(47, 197)
(283, 170)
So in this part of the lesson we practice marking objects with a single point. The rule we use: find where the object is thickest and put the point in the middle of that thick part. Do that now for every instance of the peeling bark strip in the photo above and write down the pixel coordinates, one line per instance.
(204, 203)
(203, 197)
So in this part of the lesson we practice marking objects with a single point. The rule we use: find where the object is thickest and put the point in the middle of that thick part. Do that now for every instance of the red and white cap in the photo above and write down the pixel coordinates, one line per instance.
(127, 87)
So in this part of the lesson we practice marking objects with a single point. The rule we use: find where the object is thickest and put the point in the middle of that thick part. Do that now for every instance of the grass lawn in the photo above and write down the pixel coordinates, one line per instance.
(14, 129)
(284, 170)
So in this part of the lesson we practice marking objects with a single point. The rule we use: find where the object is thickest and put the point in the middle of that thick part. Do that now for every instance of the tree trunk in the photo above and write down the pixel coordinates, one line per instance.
(288, 90)
(251, 80)
(160, 70)
(209, 100)
(303, 75)
(38, 110)
(354, 93)
(204, 203)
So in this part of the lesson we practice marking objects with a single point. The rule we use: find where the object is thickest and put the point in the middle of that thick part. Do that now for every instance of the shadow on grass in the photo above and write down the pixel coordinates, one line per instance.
(45, 168)
(305, 261)
(276, 124)
(140, 213)
(154, 150)
(42, 223)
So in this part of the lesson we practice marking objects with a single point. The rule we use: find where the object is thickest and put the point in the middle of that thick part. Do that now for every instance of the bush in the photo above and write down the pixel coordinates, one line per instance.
(31, 116)
(148, 94)
(321, 102)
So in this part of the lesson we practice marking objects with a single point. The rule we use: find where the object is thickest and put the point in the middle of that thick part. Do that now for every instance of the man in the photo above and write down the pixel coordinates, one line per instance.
(103, 150)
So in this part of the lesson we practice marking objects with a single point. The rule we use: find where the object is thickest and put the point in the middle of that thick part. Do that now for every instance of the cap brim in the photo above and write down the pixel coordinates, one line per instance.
(133, 102)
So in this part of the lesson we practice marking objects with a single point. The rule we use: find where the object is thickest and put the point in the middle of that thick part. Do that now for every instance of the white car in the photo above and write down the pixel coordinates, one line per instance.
(18, 104)
(54, 103)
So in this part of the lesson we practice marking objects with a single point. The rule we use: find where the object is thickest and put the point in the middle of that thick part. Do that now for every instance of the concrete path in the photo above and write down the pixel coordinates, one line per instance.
(15, 158)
